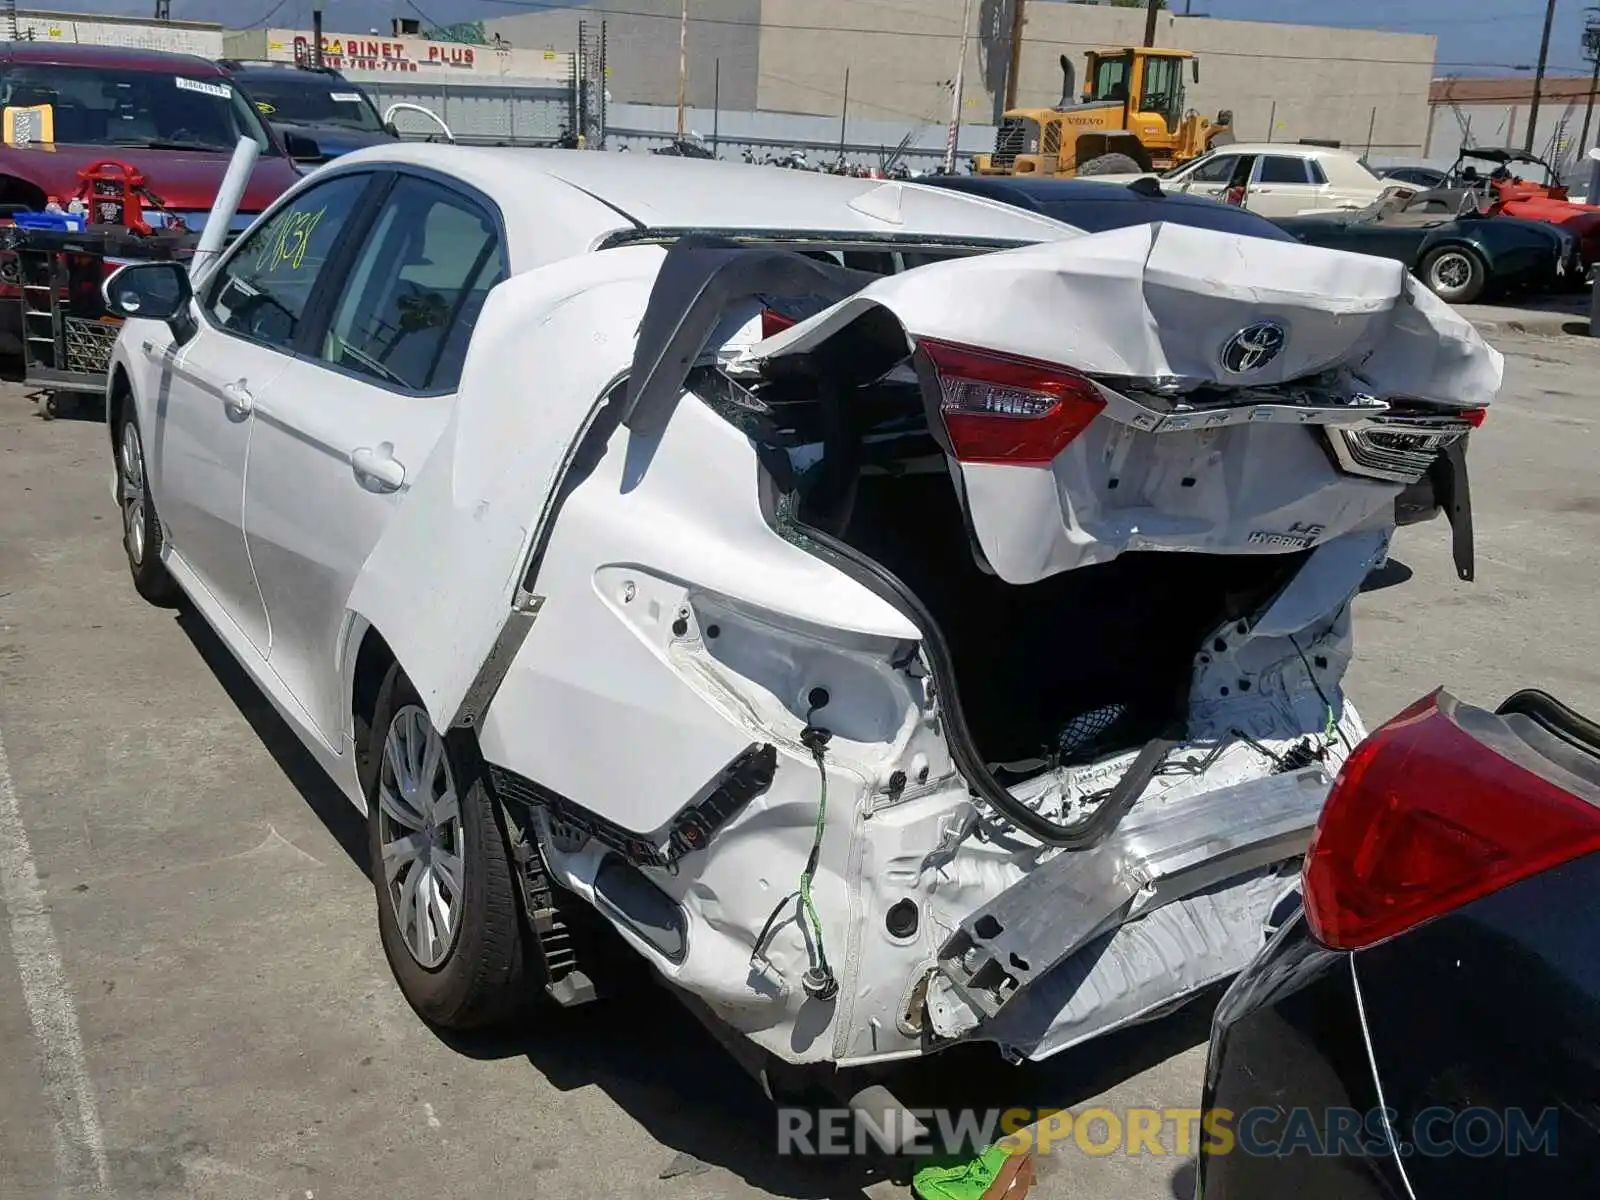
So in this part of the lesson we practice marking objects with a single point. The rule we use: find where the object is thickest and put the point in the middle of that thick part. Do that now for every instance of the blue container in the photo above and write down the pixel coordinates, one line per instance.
(57, 222)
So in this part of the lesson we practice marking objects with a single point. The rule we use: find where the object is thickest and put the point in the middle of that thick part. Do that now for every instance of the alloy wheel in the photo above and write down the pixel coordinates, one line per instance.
(1451, 272)
(130, 469)
(419, 831)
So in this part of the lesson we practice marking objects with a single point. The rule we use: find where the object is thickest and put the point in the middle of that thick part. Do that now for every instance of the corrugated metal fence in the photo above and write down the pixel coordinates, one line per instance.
(526, 115)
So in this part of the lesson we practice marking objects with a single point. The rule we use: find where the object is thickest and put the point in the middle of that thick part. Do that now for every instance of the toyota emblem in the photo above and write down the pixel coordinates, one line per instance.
(1253, 347)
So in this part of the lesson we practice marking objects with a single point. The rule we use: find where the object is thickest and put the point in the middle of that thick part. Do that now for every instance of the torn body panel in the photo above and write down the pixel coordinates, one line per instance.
(1205, 386)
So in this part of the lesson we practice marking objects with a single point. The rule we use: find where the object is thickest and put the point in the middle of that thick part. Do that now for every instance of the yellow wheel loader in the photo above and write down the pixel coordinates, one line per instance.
(1130, 118)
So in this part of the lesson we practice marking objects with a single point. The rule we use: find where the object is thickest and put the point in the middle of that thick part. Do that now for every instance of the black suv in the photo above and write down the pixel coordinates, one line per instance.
(315, 102)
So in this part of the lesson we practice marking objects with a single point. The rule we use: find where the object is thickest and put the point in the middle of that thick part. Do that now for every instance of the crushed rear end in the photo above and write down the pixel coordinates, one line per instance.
(1125, 488)
(948, 656)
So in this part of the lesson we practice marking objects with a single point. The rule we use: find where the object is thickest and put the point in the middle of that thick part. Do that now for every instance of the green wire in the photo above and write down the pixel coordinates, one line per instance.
(811, 866)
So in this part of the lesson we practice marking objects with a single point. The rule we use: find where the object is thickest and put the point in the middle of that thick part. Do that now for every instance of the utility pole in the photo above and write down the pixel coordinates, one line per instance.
(1014, 68)
(960, 86)
(1538, 77)
(1151, 7)
(683, 60)
(1591, 47)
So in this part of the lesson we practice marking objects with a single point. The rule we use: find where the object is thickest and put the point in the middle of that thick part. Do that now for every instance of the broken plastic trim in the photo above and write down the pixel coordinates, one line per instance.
(749, 775)
(700, 280)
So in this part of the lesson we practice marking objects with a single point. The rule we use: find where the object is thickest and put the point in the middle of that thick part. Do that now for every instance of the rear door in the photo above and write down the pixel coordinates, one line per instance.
(343, 432)
(1166, 387)
(1281, 185)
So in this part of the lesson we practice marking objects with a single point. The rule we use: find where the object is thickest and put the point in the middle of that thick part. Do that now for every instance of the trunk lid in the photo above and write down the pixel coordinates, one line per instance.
(1152, 388)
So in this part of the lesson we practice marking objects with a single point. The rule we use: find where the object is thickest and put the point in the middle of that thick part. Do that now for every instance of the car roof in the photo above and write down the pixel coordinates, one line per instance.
(1098, 205)
(1060, 191)
(1292, 149)
(630, 191)
(1500, 154)
(127, 58)
(262, 71)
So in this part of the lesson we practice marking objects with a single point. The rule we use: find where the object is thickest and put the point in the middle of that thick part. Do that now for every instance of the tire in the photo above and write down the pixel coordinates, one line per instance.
(141, 526)
(477, 973)
(1454, 274)
(1110, 164)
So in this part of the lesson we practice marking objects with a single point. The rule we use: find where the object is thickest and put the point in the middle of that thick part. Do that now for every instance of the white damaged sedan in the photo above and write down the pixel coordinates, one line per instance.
(904, 619)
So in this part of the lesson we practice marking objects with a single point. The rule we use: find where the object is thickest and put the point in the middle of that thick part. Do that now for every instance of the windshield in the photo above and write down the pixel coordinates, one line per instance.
(112, 106)
(1196, 162)
(313, 100)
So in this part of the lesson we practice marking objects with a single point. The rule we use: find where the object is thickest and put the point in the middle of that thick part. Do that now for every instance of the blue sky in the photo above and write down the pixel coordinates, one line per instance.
(1475, 36)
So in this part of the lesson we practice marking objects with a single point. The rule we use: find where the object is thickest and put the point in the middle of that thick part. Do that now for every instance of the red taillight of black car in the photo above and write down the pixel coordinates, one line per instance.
(1425, 818)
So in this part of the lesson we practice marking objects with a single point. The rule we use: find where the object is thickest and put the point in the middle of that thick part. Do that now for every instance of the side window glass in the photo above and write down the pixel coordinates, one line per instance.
(262, 290)
(1216, 170)
(1314, 169)
(1277, 168)
(408, 308)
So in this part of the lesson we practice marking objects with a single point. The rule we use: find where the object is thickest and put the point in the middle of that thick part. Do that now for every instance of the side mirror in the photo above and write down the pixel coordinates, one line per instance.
(389, 128)
(301, 148)
(1194, 69)
(157, 291)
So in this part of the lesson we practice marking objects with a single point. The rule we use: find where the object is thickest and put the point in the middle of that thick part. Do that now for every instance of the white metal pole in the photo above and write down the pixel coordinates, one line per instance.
(683, 60)
(229, 196)
(960, 87)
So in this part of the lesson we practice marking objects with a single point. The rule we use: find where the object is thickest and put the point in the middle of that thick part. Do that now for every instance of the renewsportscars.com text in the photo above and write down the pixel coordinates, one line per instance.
(1266, 1132)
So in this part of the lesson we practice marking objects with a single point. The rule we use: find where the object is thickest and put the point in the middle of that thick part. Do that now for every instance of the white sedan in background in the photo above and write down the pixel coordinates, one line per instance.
(1276, 179)
(901, 618)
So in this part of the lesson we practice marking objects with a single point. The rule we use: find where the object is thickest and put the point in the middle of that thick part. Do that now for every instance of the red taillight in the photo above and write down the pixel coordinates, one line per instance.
(773, 323)
(1475, 416)
(1425, 818)
(1001, 409)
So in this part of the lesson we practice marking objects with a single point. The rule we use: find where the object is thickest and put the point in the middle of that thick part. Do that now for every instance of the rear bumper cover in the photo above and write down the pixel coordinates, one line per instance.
(1177, 899)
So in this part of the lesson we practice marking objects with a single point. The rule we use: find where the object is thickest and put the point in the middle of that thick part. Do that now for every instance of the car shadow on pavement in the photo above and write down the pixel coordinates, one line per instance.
(1391, 574)
(320, 793)
(654, 1059)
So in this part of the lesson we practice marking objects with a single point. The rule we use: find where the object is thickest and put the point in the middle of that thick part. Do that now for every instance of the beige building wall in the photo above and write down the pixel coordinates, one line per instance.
(1307, 81)
(177, 37)
(642, 47)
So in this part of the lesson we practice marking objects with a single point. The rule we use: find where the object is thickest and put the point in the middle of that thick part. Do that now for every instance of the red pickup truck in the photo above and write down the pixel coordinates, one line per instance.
(174, 118)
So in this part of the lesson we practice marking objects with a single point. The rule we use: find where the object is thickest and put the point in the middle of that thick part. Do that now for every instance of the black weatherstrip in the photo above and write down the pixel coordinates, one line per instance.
(701, 278)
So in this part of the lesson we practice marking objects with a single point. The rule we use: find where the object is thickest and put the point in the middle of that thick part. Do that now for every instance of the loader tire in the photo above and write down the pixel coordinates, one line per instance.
(1110, 164)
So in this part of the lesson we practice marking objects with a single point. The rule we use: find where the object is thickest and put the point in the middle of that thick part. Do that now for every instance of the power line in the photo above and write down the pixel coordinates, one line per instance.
(264, 17)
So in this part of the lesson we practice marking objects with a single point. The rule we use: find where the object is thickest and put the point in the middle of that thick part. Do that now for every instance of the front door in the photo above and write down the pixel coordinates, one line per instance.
(340, 438)
(1210, 177)
(248, 313)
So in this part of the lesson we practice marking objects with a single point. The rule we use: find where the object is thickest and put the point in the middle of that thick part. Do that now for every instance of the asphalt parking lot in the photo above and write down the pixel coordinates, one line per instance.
(193, 1002)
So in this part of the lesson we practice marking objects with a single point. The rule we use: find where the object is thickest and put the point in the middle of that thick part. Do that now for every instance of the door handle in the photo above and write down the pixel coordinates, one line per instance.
(378, 468)
(236, 398)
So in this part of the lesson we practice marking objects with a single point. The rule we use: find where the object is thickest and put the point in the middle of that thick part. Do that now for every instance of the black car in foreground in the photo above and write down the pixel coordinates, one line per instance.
(1095, 207)
(1460, 258)
(1428, 1026)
